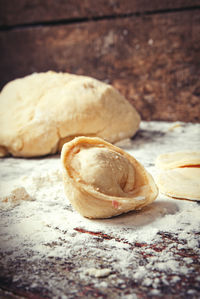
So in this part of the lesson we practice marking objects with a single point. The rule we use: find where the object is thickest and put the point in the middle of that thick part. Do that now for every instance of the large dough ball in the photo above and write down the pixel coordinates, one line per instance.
(40, 112)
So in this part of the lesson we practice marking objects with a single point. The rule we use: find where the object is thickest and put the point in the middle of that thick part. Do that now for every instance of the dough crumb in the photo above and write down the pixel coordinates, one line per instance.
(98, 272)
(13, 199)
(174, 126)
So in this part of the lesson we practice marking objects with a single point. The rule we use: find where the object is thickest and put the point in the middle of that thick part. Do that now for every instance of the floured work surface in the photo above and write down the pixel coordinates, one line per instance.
(50, 251)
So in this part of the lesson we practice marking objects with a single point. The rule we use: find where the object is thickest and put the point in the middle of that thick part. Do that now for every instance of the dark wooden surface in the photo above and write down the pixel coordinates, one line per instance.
(154, 60)
(15, 12)
(66, 275)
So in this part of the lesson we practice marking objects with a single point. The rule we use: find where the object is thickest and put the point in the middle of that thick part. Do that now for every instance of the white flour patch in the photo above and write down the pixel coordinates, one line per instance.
(98, 272)
(14, 198)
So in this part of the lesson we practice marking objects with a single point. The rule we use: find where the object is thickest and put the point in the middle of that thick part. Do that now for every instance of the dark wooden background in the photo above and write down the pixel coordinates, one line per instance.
(149, 50)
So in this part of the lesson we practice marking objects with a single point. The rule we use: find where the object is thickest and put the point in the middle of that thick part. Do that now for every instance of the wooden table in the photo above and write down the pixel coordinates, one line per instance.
(47, 250)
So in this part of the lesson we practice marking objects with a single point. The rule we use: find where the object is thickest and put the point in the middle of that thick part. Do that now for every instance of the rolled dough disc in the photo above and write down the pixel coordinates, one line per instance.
(180, 174)
(178, 159)
(183, 183)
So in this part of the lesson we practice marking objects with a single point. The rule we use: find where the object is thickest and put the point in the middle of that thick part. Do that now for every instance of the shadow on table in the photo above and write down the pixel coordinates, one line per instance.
(145, 216)
(140, 138)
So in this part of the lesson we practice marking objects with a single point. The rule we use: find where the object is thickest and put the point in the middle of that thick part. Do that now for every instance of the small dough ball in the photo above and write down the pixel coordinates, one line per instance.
(101, 180)
(42, 111)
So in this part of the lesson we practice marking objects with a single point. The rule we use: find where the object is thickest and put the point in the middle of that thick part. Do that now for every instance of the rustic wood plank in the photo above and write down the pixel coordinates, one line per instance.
(15, 12)
(69, 282)
(153, 60)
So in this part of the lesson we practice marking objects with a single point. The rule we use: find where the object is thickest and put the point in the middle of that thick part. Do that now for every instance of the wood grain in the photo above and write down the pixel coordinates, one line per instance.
(153, 60)
(69, 281)
(15, 12)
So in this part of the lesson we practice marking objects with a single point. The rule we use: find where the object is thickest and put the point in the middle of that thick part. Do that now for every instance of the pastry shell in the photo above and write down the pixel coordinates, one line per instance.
(101, 180)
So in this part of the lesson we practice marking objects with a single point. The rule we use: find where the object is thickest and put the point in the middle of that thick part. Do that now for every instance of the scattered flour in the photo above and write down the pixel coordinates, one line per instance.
(13, 199)
(46, 224)
(98, 272)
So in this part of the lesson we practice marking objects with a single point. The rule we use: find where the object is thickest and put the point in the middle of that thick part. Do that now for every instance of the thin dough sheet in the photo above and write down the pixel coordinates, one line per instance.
(178, 159)
(183, 183)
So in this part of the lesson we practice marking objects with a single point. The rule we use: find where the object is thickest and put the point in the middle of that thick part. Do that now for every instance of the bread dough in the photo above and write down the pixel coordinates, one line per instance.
(180, 174)
(40, 112)
(101, 180)
(178, 159)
